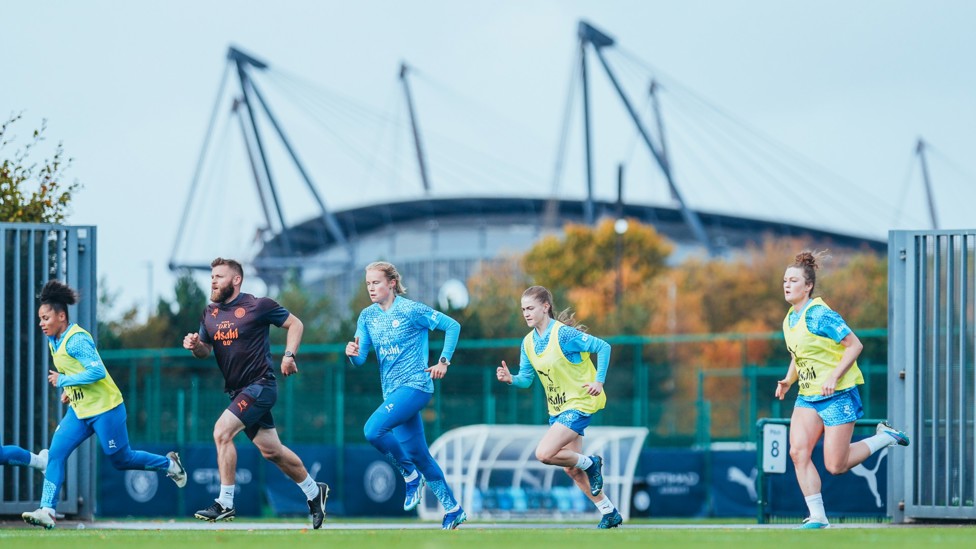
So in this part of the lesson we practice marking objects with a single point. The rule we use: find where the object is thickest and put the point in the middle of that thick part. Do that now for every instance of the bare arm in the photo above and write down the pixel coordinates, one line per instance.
(783, 385)
(193, 344)
(292, 340)
(852, 349)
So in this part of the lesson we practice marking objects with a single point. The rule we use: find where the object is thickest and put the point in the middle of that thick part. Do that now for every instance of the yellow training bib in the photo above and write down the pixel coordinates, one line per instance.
(87, 400)
(816, 356)
(562, 380)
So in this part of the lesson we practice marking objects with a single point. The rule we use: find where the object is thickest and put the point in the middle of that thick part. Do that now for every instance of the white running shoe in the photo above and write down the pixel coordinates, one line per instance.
(178, 477)
(40, 518)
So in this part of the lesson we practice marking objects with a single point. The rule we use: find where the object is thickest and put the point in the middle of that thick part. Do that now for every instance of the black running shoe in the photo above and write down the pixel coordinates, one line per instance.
(316, 506)
(216, 512)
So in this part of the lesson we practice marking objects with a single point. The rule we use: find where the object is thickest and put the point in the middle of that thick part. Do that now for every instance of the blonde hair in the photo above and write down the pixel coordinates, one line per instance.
(544, 296)
(391, 273)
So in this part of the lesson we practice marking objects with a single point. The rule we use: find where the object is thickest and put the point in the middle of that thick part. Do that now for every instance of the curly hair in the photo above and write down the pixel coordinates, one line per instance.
(57, 295)
(807, 262)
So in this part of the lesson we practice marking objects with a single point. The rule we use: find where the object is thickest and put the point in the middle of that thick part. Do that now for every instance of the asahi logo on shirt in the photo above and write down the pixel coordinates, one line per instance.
(389, 351)
(226, 333)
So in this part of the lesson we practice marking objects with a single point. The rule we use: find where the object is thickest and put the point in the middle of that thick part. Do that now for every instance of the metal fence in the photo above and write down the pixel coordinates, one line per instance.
(174, 398)
(932, 380)
(30, 255)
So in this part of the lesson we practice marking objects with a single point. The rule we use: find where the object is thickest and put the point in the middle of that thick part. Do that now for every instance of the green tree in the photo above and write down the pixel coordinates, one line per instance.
(110, 328)
(583, 268)
(164, 328)
(584, 255)
(190, 301)
(316, 311)
(32, 192)
(494, 308)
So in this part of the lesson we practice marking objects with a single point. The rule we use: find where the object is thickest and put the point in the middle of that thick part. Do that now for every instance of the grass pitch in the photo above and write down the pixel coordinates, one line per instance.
(473, 537)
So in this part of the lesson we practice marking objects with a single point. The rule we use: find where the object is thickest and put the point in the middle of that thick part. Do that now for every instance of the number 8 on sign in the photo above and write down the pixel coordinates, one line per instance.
(774, 448)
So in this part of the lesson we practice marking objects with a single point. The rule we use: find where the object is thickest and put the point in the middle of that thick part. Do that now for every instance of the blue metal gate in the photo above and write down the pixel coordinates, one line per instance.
(30, 255)
(932, 373)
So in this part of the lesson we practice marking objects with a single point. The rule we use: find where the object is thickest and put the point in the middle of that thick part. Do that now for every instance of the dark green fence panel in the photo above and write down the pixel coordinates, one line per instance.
(172, 396)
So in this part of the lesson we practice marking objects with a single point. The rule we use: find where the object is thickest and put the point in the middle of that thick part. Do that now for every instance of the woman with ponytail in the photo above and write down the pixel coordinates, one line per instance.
(396, 329)
(557, 350)
(824, 353)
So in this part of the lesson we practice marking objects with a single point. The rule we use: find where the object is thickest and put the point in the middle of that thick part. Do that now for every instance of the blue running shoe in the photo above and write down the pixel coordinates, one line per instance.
(595, 474)
(415, 491)
(610, 520)
(454, 519)
(813, 524)
(900, 436)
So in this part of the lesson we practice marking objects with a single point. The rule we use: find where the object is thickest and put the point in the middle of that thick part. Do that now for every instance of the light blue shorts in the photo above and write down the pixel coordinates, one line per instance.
(841, 408)
(574, 419)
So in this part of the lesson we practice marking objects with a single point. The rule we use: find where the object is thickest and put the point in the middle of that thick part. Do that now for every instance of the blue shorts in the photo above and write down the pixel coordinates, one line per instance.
(574, 419)
(841, 408)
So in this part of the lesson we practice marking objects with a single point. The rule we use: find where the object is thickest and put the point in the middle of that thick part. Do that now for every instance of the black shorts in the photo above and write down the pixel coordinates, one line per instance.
(252, 405)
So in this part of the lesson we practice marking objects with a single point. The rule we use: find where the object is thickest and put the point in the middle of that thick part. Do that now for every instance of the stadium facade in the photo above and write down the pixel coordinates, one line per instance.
(435, 241)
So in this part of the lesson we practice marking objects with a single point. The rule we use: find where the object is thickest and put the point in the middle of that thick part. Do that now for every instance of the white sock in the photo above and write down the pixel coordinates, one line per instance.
(309, 487)
(411, 477)
(605, 506)
(456, 507)
(49, 510)
(879, 441)
(816, 507)
(226, 498)
(583, 462)
(35, 461)
(173, 467)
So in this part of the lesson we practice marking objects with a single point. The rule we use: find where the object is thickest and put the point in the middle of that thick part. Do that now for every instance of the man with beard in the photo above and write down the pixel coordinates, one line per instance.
(235, 328)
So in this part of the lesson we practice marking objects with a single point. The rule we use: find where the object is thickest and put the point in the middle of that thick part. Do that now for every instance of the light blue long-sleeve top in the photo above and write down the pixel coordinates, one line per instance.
(399, 336)
(572, 342)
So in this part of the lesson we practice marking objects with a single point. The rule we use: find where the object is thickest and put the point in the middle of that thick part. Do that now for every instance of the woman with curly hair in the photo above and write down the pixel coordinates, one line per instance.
(96, 405)
(824, 353)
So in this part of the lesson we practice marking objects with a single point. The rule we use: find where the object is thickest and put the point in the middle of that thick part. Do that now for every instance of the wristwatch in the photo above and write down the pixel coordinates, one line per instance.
(444, 361)
(289, 354)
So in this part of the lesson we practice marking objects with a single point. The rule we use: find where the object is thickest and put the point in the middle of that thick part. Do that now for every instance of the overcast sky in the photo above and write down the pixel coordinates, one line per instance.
(848, 86)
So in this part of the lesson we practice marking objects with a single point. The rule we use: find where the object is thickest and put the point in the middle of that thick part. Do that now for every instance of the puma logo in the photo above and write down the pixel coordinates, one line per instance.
(737, 476)
(871, 475)
(547, 376)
